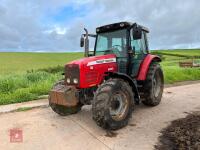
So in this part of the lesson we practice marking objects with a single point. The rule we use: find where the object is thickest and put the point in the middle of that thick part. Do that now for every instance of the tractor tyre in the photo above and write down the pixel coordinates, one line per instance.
(153, 86)
(64, 110)
(112, 105)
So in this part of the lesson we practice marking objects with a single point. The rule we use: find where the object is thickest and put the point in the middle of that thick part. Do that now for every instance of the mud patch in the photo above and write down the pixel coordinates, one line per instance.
(53, 125)
(110, 134)
(181, 134)
(132, 124)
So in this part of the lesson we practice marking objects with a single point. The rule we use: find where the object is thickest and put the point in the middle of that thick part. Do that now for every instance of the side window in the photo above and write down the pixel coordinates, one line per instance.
(135, 44)
(143, 43)
(139, 45)
(146, 43)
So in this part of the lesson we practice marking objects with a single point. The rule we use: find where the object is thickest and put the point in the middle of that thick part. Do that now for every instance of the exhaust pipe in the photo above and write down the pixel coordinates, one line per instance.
(86, 43)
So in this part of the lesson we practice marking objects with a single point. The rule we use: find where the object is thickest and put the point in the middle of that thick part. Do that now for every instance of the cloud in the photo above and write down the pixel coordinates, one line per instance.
(171, 23)
(34, 25)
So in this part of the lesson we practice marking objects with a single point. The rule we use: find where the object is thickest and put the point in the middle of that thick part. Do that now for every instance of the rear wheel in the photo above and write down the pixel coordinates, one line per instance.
(112, 105)
(61, 109)
(153, 86)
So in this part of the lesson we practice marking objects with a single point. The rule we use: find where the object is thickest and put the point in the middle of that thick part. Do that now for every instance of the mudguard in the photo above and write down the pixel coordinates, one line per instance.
(144, 67)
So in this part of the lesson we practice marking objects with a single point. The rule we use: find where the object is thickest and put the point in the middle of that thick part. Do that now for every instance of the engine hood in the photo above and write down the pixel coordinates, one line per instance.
(94, 60)
(90, 71)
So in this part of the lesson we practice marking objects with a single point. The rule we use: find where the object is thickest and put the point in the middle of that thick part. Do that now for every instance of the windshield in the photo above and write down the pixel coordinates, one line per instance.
(112, 43)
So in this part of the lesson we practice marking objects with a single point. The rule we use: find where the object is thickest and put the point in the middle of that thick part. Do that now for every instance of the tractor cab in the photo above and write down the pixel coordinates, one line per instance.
(128, 41)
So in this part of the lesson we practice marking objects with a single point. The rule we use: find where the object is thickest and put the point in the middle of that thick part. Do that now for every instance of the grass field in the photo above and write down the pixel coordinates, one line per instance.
(21, 62)
(26, 76)
(170, 64)
(184, 53)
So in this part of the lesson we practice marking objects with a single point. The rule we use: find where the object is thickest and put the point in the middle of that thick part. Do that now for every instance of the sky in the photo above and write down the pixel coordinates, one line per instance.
(56, 25)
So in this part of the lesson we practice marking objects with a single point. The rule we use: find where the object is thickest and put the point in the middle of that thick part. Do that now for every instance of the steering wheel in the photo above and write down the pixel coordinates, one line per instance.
(116, 49)
(115, 46)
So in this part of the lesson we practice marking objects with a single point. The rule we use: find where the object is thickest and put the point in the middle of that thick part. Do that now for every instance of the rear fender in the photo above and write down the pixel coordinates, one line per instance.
(125, 77)
(144, 67)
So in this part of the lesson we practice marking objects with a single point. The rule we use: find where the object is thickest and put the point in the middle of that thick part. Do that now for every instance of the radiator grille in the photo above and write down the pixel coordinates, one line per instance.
(71, 72)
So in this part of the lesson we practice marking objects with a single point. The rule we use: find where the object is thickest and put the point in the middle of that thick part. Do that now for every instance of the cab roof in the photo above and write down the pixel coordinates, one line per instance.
(119, 25)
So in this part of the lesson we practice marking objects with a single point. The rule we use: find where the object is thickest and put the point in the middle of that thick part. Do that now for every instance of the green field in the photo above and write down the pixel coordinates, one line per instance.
(21, 62)
(170, 64)
(184, 53)
(26, 76)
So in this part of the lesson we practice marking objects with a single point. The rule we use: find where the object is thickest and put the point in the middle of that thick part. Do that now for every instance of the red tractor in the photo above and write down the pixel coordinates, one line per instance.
(117, 75)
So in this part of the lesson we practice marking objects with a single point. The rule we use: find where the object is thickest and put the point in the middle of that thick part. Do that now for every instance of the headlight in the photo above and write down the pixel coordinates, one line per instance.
(68, 80)
(75, 81)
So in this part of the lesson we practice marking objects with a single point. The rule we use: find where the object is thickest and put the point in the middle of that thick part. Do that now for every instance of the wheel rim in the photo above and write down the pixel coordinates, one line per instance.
(119, 106)
(157, 84)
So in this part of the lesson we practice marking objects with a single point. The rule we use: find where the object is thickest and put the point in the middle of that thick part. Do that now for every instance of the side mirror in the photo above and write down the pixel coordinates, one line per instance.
(137, 33)
(82, 41)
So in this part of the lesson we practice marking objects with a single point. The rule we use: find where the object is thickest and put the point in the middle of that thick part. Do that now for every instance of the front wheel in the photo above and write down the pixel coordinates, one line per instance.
(153, 86)
(112, 105)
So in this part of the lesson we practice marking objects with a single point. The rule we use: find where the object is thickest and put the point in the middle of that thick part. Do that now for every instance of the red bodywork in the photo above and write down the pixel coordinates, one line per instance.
(144, 67)
(92, 69)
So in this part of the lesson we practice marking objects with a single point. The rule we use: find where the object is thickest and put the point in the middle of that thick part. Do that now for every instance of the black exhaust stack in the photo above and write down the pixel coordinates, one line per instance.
(86, 43)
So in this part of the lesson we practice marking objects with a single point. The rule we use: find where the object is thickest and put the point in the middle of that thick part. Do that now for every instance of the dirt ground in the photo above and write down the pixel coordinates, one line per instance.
(43, 129)
(181, 134)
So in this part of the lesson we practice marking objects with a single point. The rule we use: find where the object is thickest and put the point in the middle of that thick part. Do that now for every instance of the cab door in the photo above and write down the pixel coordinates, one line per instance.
(140, 47)
(121, 54)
